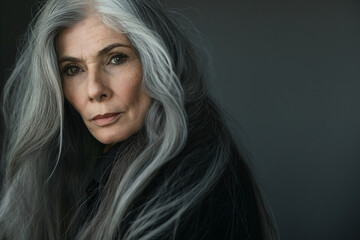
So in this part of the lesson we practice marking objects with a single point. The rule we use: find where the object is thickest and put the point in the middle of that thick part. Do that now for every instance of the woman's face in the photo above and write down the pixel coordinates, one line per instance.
(102, 76)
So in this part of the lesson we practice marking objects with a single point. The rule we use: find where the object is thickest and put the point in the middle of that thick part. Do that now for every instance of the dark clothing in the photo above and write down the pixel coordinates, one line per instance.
(222, 214)
(101, 174)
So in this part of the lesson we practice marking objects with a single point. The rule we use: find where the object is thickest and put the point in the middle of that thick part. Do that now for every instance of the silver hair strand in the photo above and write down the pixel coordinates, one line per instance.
(49, 154)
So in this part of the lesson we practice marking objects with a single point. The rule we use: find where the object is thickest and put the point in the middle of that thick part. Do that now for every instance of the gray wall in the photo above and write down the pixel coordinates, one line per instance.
(289, 73)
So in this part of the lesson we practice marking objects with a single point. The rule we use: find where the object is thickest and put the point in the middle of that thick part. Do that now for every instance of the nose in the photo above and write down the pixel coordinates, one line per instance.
(97, 87)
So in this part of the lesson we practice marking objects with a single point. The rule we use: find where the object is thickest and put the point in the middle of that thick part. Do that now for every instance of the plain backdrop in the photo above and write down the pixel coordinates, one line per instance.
(289, 73)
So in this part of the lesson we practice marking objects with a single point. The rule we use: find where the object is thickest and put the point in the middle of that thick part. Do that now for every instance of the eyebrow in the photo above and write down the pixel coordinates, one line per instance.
(102, 52)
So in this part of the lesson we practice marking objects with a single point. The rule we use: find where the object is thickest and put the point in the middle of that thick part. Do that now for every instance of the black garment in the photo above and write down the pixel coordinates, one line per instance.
(102, 170)
(222, 214)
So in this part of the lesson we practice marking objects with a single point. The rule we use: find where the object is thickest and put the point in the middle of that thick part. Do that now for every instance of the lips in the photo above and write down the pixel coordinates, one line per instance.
(106, 119)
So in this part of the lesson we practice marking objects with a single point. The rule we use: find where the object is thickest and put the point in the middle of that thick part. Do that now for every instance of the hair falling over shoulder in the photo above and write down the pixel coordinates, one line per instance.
(184, 148)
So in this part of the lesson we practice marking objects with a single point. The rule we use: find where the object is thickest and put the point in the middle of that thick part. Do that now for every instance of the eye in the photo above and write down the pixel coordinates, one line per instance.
(118, 59)
(71, 70)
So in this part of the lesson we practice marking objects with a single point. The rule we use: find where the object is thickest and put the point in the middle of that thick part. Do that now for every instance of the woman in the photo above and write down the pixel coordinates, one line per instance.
(112, 135)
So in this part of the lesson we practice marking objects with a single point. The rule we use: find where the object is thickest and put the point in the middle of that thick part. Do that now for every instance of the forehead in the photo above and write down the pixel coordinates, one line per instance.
(87, 37)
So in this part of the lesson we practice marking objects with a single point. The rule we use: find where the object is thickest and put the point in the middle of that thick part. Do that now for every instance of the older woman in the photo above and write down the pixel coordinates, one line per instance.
(112, 135)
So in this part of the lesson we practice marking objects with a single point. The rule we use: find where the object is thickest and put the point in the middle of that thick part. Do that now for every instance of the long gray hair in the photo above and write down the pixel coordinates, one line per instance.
(49, 154)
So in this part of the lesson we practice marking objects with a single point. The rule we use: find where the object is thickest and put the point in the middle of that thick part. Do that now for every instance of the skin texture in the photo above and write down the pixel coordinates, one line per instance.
(100, 77)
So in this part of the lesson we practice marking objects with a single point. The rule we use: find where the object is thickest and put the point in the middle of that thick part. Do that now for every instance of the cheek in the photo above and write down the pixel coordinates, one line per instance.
(144, 105)
(71, 94)
(129, 88)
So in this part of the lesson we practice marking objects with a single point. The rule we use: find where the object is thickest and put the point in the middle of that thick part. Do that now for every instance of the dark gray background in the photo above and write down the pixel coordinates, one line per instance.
(289, 73)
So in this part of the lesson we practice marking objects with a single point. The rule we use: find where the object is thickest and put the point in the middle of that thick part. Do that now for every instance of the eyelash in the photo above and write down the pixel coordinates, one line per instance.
(122, 57)
(67, 69)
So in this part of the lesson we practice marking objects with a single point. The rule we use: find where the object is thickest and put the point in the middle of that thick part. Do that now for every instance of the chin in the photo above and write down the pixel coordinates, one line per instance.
(111, 136)
(107, 140)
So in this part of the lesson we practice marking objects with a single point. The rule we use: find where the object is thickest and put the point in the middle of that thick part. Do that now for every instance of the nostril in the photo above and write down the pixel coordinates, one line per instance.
(103, 96)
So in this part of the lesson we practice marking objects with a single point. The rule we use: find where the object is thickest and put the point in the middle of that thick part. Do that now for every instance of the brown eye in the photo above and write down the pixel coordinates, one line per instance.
(72, 70)
(118, 59)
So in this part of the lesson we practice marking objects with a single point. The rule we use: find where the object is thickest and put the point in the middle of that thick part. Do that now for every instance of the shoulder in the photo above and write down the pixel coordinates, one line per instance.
(228, 211)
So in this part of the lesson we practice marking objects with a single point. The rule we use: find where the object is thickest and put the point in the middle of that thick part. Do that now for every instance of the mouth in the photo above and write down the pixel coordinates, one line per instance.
(106, 119)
